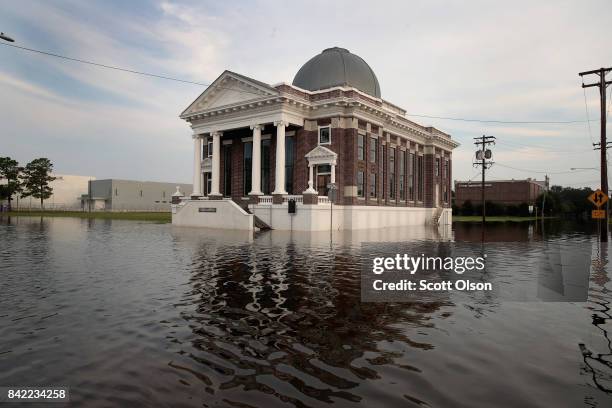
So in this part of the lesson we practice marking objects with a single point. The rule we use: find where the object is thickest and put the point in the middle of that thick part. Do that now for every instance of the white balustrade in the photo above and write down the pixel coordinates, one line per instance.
(265, 200)
(297, 198)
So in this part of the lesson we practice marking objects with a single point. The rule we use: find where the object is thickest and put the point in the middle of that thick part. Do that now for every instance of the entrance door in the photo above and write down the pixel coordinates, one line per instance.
(323, 179)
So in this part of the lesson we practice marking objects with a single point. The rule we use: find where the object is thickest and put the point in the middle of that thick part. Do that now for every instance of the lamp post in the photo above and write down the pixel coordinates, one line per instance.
(6, 37)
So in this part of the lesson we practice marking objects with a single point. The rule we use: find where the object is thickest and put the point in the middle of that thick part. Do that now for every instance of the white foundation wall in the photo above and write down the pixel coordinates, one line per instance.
(227, 215)
(320, 217)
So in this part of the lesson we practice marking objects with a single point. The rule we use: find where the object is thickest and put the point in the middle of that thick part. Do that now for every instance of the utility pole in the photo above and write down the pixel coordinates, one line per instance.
(603, 145)
(483, 159)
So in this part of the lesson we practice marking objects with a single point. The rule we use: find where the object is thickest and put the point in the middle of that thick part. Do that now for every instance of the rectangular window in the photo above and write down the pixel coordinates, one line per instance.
(411, 173)
(289, 163)
(360, 147)
(402, 174)
(325, 135)
(373, 149)
(447, 169)
(265, 166)
(209, 148)
(116, 192)
(247, 162)
(360, 184)
(227, 170)
(437, 166)
(420, 177)
(392, 173)
(208, 183)
(373, 185)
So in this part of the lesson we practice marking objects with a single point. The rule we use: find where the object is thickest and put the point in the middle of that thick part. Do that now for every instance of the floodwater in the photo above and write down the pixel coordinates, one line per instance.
(132, 313)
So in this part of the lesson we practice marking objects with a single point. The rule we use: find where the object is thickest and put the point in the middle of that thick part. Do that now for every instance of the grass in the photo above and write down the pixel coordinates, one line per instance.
(162, 217)
(499, 218)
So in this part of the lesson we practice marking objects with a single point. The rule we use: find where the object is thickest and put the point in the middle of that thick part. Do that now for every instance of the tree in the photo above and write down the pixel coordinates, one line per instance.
(467, 208)
(9, 170)
(36, 178)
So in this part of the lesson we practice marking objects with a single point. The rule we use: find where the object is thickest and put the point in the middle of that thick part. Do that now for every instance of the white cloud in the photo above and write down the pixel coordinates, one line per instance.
(480, 59)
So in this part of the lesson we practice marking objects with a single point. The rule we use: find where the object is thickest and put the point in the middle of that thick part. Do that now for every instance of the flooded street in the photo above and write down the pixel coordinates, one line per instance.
(132, 313)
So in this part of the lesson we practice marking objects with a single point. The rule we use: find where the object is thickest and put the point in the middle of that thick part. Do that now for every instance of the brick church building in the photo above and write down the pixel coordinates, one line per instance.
(256, 147)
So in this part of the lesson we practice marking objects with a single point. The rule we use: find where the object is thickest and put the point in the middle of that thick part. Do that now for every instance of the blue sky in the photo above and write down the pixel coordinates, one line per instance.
(511, 61)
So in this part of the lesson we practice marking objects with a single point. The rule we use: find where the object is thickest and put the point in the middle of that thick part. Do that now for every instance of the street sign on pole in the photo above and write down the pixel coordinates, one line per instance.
(332, 190)
(598, 214)
(598, 198)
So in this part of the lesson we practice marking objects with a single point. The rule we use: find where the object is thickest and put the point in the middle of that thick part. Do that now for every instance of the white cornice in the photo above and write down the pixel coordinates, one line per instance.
(294, 109)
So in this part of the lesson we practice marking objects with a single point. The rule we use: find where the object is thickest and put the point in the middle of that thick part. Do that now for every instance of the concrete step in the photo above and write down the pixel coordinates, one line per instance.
(259, 223)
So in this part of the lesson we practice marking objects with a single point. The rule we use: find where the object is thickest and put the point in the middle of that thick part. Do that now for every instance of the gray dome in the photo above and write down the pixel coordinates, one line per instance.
(337, 67)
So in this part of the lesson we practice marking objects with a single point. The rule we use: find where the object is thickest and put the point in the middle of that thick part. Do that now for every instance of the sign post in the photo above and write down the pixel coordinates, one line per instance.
(599, 198)
(332, 190)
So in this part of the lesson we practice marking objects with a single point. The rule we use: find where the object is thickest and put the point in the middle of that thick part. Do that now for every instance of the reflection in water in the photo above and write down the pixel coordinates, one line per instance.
(277, 315)
(129, 313)
(599, 365)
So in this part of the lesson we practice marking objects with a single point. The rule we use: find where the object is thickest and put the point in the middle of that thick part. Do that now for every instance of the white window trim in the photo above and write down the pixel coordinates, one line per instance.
(319, 135)
(209, 148)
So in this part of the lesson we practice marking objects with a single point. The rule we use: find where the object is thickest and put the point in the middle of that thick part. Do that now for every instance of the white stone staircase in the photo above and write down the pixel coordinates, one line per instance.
(437, 214)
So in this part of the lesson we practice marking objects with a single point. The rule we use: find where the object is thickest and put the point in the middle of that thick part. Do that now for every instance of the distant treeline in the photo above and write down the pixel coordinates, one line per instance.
(558, 201)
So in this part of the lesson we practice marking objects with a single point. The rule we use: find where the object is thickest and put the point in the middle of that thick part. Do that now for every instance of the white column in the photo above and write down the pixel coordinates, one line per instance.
(333, 174)
(256, 162)
(197, 165)
(216, 156)
(310, 189)
(280, 158)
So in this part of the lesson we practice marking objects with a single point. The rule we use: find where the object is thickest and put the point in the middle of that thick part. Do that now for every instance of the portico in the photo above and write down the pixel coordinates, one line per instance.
(211, 164)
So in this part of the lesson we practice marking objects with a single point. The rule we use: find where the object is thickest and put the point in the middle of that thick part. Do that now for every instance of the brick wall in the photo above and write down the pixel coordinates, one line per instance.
(344, 143)
(511, 192)
(428, 193)
(306, 140)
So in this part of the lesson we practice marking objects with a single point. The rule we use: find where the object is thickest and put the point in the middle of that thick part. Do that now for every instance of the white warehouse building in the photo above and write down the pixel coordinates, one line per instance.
(67, 192)
(131, 195)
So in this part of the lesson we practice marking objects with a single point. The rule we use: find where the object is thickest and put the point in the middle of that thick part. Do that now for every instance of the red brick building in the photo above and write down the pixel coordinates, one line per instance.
(506, 192)
(262, 145)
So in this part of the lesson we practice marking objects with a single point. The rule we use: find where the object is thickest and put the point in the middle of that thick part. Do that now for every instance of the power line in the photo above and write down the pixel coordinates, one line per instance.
(609, 102)
(586, 109)
(518, 145)
(169, 78)
(97, 64)
(540, 171)
(537, 122)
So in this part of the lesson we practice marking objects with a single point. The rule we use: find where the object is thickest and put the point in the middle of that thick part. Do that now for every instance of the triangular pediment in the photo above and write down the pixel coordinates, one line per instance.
(230, 89)
(321, 155)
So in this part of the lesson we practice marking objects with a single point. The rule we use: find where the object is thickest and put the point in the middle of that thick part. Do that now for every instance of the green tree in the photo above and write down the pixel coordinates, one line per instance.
(9, 170)
(467, 208)
(36, 178)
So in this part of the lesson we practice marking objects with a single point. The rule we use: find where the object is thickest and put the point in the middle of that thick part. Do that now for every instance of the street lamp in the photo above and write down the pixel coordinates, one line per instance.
(6, 37)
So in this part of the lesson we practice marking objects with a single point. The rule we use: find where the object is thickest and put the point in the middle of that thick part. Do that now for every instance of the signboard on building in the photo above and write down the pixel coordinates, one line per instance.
(207, 209)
